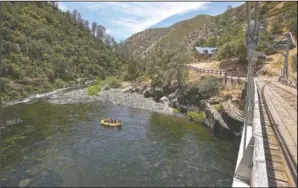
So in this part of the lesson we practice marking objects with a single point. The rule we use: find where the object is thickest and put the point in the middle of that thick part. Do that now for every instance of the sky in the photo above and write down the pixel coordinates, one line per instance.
(123, 19)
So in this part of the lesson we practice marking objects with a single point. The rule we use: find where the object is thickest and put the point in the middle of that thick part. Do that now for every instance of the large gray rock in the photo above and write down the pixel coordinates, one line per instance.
(164, 99)
(24, 182)
(148, 92)
(173, 103)
(157, 94)
(167, 89)
(172, 96)
(214, 100)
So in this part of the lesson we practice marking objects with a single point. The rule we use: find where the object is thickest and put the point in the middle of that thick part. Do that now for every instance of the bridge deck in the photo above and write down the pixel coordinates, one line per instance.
(279, 112)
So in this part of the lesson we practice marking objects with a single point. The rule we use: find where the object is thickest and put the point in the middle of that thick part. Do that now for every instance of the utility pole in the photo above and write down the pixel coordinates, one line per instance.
(284, 73)
(286, 56)
(252, 39)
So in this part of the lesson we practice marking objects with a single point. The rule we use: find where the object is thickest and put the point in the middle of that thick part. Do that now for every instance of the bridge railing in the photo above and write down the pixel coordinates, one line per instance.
(251, 168)
(251, 164)
(214, 71)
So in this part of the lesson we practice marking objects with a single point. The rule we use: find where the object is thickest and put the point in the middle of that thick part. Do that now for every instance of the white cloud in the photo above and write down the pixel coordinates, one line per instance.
(62, 7)
(133, 17)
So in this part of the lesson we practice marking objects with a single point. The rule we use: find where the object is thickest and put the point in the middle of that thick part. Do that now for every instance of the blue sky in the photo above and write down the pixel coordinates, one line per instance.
(123, 19)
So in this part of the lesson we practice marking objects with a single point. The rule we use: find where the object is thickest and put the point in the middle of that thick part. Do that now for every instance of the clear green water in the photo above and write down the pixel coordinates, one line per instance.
(64, 145)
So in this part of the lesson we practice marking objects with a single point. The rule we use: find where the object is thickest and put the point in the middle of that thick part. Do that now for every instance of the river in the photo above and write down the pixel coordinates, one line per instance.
(64, 145)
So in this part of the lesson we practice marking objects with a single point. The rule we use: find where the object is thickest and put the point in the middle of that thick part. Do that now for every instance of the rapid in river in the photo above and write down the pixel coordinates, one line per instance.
(64, 145)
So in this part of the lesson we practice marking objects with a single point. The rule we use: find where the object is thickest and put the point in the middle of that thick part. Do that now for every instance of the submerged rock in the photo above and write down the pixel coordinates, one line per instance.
(24, 182)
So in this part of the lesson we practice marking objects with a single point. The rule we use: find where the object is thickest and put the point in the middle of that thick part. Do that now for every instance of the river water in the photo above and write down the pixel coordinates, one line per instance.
(64, 145)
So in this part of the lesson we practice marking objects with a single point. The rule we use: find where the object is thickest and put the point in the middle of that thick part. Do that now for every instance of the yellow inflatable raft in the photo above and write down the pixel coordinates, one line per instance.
(106, 123)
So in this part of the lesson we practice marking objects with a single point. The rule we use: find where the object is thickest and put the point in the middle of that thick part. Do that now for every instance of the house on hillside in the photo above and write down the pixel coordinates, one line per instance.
(205, 51)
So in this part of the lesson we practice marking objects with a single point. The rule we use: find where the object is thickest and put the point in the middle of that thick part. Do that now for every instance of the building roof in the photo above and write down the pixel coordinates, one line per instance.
(202, 50)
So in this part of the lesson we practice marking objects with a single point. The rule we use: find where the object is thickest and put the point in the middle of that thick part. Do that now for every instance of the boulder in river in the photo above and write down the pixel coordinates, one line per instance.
(24, 182)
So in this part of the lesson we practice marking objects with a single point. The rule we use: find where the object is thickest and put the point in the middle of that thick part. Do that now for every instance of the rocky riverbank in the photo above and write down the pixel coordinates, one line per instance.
(193, 100)
(114, 96)
(158, 99)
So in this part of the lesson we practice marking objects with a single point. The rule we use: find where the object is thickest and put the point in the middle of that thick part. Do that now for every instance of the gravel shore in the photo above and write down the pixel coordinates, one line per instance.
(114, 96)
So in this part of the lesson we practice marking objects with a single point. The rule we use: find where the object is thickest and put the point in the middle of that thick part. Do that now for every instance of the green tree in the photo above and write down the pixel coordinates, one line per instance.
(211, 42)
(175, 69)
(225, 51)
(38, 41)
(276, 25)
(240, 50)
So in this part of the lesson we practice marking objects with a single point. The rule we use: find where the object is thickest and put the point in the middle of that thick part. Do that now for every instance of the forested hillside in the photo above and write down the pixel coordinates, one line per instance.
(276, 17)
(225, 31)
(43, 48)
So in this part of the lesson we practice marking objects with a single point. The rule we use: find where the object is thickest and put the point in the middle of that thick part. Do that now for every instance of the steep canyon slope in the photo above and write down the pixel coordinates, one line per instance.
(43, 48)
